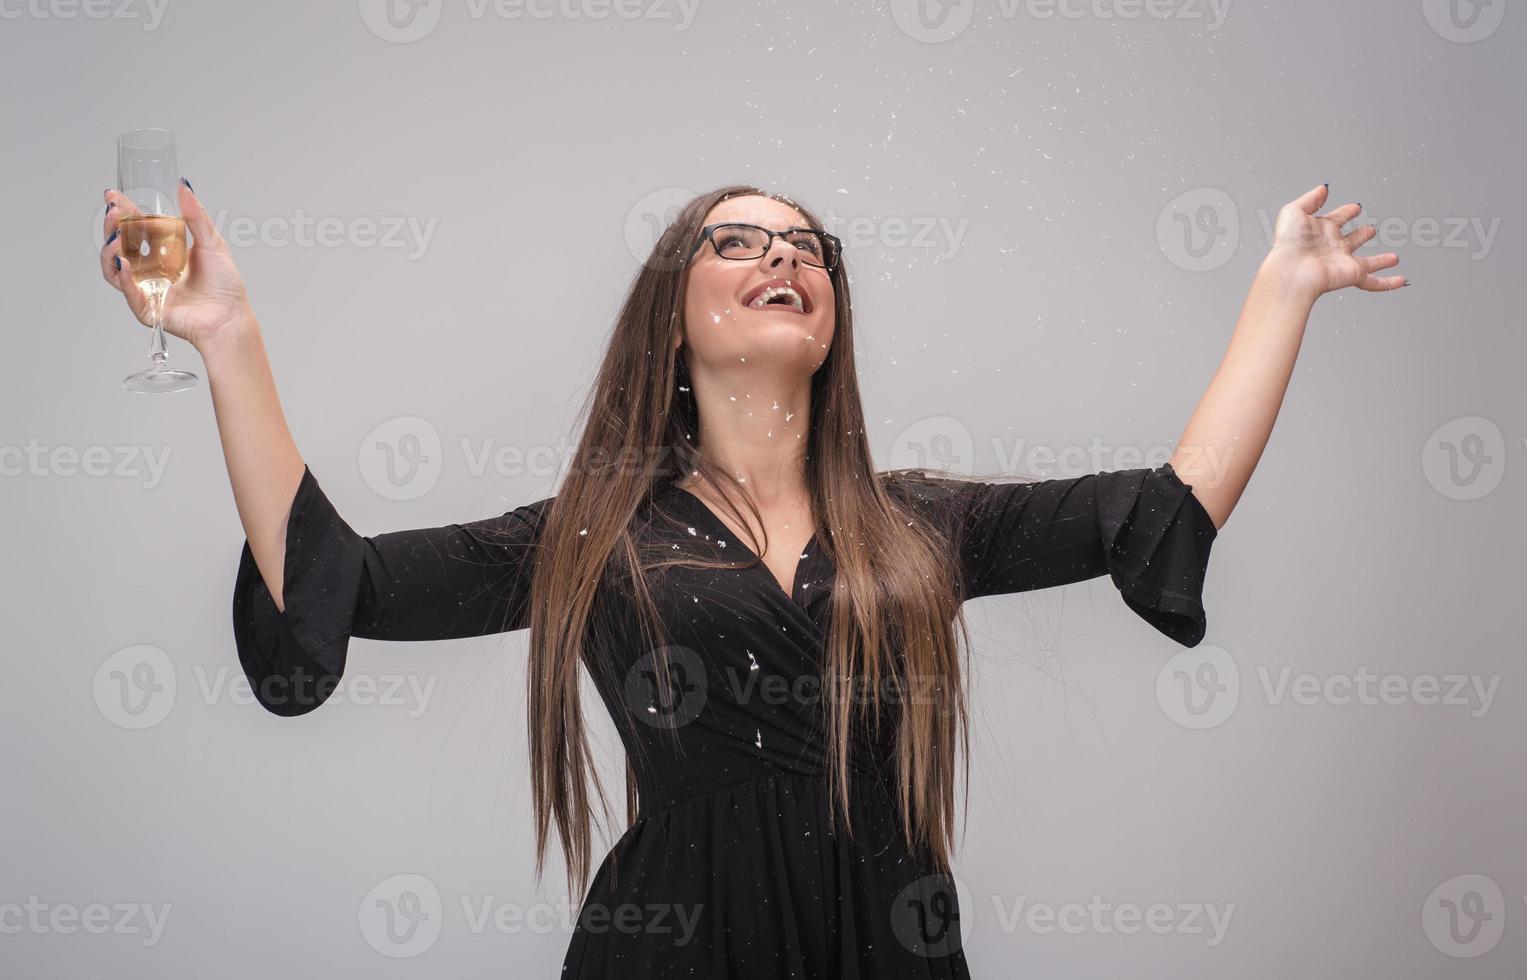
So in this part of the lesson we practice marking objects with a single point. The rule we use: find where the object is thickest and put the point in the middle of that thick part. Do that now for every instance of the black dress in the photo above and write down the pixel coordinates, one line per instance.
(731, 869)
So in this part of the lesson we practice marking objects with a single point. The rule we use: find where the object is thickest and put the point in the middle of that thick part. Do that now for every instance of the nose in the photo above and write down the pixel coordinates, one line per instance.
(781, 256)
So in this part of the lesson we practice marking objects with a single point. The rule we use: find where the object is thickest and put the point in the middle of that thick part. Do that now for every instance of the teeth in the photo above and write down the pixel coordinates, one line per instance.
(763, 298)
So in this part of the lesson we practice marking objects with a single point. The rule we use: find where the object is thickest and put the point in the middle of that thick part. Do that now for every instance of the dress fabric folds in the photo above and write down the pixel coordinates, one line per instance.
(732, 868)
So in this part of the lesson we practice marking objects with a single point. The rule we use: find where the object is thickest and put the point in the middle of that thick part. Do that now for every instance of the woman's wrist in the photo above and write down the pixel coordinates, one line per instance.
(1291, 276)
(231, 341)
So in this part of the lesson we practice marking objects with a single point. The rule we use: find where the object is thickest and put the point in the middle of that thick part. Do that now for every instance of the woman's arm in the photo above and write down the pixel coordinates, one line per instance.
(437, 583)
(1141, 527)
(264, 466)
(1310, 256)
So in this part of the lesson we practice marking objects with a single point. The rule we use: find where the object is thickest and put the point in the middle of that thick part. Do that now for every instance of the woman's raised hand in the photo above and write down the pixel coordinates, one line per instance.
(209, 296)
(1320, 256)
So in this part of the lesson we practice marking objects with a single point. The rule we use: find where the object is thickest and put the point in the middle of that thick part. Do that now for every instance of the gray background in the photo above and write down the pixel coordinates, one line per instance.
(539, 150)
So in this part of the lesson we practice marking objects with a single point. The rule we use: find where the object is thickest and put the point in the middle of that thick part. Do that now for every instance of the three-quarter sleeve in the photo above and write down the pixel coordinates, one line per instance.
(425, 584)
(1142, 527)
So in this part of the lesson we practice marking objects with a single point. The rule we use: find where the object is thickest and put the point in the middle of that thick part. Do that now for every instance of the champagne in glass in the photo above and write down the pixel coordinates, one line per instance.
(153, 247)
(153, 237)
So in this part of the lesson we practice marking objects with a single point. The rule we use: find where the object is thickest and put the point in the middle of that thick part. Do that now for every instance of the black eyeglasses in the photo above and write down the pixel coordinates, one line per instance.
(734, 240)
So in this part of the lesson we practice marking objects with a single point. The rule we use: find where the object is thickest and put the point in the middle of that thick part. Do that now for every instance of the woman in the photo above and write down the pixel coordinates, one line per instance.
(770, 622)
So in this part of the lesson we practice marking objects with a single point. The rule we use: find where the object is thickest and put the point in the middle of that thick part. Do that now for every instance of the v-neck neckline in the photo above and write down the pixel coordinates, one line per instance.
(759, 563)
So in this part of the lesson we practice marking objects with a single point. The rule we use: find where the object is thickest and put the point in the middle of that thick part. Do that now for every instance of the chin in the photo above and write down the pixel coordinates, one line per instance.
(784, 335)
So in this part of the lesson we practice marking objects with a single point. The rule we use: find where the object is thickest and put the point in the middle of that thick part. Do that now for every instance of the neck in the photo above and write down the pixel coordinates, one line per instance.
(754, 428)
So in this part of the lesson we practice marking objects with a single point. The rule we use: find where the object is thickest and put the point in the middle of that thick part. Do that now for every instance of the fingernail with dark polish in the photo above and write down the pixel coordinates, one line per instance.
(188, 184)
(113, 236)
(118, 260)
(1407, 282)
(110, 205)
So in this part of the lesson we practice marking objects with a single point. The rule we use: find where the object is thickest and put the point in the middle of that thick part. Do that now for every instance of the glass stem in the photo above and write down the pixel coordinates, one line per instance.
(155, 290)
(157, 349)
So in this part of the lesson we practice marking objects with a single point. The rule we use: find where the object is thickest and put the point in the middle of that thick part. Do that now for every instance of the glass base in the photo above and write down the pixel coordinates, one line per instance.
(156, 381)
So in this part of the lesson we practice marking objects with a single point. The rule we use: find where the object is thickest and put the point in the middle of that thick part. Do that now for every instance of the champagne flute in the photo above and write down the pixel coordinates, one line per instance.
(153, 242)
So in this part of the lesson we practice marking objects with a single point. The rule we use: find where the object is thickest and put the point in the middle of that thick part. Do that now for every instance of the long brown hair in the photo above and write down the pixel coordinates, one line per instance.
(895, 601)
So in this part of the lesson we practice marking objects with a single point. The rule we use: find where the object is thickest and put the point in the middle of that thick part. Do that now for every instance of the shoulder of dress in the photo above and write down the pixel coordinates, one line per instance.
(938, 498)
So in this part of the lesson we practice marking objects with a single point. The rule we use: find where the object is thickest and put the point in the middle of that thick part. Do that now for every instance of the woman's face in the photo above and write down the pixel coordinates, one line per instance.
(727, 323)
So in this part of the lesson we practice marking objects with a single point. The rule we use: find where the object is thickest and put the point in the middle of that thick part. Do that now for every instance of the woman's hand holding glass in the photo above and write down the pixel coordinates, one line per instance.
(207, 302)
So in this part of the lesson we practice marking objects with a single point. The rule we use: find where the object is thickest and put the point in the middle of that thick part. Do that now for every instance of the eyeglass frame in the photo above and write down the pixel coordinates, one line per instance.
(708, 233)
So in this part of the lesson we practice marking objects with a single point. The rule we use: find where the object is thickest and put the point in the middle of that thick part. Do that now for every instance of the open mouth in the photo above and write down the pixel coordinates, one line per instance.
(778, 294)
